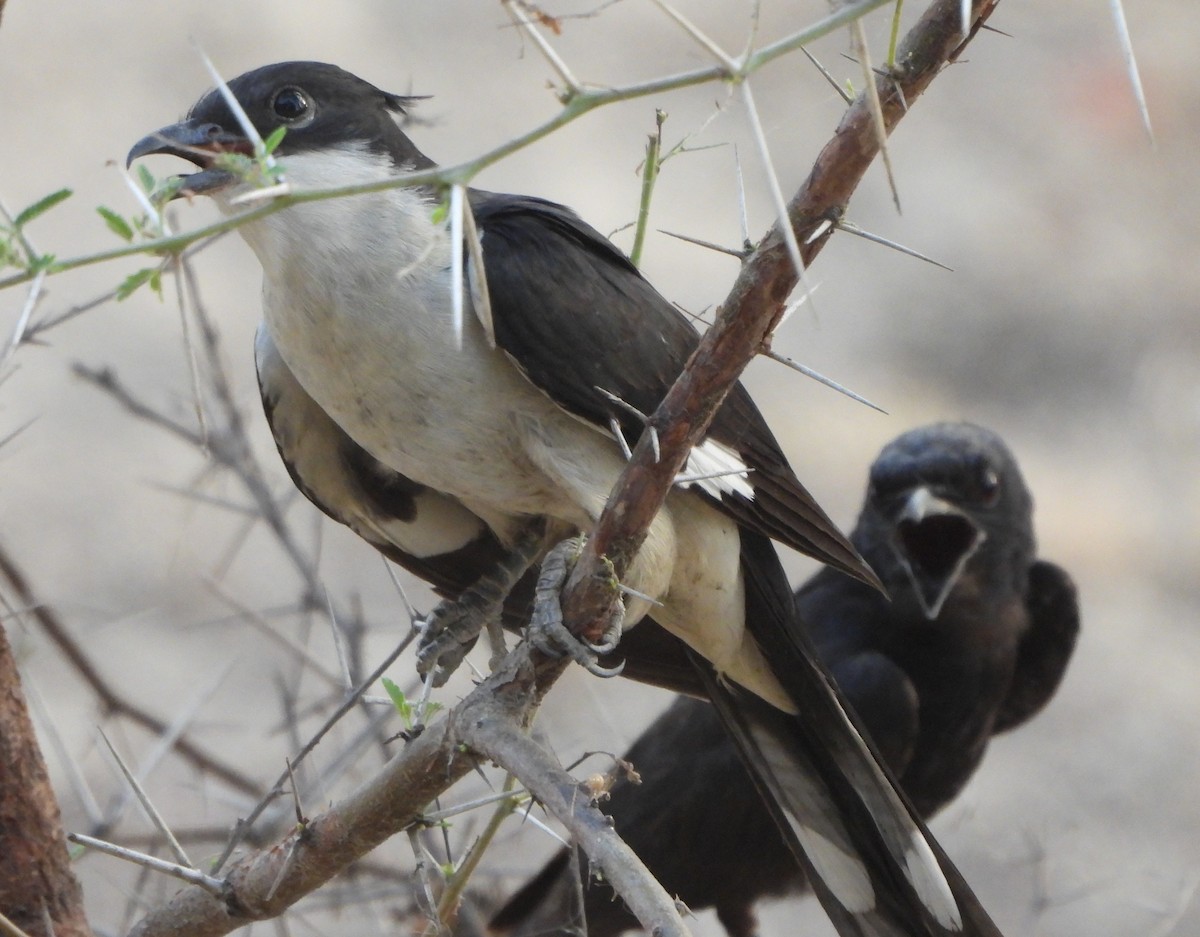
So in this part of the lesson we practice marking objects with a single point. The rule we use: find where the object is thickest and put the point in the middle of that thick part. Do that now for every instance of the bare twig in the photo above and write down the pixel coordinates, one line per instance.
(156, 818)
(387, 804)
(111, 700)
(213, 886)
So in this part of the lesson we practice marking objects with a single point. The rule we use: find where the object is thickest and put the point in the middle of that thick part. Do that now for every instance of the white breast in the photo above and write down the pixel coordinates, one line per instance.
(356, 296)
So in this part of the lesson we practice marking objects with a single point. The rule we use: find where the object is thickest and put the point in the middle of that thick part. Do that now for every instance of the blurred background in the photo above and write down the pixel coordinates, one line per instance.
(1069, 325)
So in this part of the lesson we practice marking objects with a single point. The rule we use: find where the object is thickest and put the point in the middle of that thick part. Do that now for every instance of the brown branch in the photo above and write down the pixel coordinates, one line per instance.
(752, 310)
(492, 721)
(38, 891)
(568, 799)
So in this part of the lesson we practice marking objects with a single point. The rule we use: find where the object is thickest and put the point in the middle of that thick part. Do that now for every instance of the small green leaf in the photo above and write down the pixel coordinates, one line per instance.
(440, 213)
(403, 707)
(145, 177)
(167, 189)
(272, 142)
(41, 206)
(134, 281)
(116, 224)
(41, 262)
(8, 257)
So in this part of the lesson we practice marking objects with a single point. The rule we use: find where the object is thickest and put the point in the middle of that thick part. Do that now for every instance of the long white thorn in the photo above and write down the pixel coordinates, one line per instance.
(516, 10)
(26, 313)
(851, 228)
(214, 886)
(871, 89)
(833, 82)
(244, 122)
(160, 219)
(1131, 66)
(456, 263)
(148, 806)
(699, 242)
(481, 298)
(743, 215)
(822, 379)
(726, 60)
(781, 212)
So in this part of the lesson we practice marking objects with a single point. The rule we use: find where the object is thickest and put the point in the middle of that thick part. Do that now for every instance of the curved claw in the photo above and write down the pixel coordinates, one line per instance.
(595, 669)
(442, 657)
(605, 645)
(546, 631)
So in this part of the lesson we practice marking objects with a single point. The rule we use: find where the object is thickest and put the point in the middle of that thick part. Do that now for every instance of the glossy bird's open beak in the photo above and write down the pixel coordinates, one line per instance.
(933, 541)
(199, 142)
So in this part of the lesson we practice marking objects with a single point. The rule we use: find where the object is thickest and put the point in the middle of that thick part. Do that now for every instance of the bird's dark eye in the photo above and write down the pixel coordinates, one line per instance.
(290, 104)
(988, 485)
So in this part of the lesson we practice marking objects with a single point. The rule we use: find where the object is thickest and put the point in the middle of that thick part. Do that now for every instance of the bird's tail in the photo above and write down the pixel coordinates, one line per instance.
(871, 861)
(551, 903)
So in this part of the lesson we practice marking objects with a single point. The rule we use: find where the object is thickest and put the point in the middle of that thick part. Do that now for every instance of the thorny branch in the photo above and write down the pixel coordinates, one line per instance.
(752, 309)
(490, 722)
(487, 722)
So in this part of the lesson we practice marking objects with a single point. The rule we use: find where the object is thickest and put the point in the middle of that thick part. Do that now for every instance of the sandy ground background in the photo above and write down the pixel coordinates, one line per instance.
(1069, 325)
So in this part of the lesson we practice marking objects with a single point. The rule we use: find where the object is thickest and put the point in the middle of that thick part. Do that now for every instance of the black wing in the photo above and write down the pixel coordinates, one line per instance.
(1045, 650)
(617, 334)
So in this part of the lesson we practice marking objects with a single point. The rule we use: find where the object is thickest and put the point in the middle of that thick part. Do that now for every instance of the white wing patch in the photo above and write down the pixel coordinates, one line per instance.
(716, 469)
(922, 870)
(842, 873)
(442, 525)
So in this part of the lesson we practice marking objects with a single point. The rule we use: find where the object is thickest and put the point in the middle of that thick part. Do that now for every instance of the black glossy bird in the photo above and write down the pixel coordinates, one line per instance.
(511, 426)
(974, 642)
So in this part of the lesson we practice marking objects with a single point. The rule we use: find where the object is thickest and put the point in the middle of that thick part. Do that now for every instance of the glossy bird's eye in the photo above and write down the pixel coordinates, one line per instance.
(989, 485)
(290, 104)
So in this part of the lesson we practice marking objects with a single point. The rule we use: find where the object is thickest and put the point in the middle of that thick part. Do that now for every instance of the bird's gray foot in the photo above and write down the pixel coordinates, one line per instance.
(451, 629)
(547, 632)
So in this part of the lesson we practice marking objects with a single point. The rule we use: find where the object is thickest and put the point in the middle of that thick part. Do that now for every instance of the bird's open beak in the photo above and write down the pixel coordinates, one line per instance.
(933, 541)
(199, 142)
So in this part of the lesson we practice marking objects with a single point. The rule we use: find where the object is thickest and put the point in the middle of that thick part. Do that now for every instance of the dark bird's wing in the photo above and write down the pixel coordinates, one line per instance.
(621, 339)
(917, 685)
(1045, 648)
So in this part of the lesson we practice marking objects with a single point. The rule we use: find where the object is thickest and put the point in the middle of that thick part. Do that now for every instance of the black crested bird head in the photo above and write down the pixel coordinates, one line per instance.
(940, 496)
(322, 107)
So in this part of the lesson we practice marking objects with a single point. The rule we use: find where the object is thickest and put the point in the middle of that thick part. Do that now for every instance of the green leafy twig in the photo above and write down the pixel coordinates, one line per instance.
(650, 168)
(579, 104)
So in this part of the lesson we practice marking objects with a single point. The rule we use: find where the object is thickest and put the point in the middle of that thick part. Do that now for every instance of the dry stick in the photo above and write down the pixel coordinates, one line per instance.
(743, 327)
(488, 718)
(387, 804)
(111, 700)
